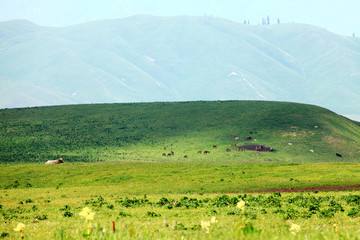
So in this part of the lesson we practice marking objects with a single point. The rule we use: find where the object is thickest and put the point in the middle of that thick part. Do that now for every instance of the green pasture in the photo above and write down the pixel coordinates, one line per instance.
(138, 178)
(114, 166)
(170, 200)
(140, 131)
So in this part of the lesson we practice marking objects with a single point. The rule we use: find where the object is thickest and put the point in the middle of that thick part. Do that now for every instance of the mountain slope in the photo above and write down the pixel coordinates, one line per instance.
(140, 131)
(146, 58)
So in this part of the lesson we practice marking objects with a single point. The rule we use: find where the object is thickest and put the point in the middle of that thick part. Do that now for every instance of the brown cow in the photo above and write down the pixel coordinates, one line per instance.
(199, 151)
(228, 150)
(214, 146)
(185, 156)
(172, 153)
(206, 152)
(60, 160)
(233, 144)
(164, 154)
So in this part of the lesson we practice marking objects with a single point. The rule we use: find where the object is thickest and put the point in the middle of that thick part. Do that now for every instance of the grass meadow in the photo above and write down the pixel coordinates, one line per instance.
(115, 172)
(178, 200)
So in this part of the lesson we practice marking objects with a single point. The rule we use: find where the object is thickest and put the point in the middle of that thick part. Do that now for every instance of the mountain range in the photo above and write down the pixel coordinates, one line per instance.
(146, 59)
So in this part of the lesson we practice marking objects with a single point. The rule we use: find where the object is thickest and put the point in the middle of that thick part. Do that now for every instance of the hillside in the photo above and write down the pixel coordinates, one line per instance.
(146, 58)
(140, 131)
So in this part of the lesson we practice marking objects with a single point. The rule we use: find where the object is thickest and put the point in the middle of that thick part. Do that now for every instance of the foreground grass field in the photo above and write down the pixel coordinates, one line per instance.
(115, 172)
(173, 200)
(179, 216)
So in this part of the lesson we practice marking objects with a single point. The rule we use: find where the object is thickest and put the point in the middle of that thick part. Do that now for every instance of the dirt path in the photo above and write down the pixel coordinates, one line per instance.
(308, 189)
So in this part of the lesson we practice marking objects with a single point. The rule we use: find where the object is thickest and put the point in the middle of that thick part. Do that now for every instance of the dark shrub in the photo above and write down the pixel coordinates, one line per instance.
(68, 214)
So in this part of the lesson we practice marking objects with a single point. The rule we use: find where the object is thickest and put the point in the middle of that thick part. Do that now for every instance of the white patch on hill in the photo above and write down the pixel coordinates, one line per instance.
(255, 90)
(232, 74)
(150, 59)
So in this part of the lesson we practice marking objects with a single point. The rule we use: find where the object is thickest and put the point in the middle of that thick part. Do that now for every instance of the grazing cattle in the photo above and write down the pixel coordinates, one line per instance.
(172, 153)
(248, 138)
(185, 156)
(206, 152)
(164, 148)
(199, 151)
(233, 144)
(214, 146)
(60, 160)
(164, 154)
(239, 149)
(228, 150)
(236, 139)
(169, 154)
(338, 155)
(251, 132)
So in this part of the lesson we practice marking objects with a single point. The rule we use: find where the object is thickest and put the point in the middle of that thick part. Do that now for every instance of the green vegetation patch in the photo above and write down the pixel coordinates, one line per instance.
(178, 177)
(104, 213)
(141, 131)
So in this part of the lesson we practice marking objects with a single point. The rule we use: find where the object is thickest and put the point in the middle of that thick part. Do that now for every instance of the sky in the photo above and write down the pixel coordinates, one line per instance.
(338, 16)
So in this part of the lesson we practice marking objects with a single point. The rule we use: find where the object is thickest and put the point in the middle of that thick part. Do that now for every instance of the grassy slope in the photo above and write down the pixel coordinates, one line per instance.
(122, 132)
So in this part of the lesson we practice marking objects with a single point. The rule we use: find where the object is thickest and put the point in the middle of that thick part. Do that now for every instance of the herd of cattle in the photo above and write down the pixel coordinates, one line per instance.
(238, 148)
(258, 148)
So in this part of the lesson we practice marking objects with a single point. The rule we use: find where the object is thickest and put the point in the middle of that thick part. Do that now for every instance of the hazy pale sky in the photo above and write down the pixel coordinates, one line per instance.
(339, 16)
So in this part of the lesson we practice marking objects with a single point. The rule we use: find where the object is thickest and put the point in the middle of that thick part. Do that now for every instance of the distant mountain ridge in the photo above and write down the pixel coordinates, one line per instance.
(145, 58)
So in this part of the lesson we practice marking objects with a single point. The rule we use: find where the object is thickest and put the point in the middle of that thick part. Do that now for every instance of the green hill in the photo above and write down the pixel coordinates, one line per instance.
(146, 58)
(140, 131)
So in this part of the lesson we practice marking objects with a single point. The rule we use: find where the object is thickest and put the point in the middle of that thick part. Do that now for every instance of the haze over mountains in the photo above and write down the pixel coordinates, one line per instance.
(147, 58)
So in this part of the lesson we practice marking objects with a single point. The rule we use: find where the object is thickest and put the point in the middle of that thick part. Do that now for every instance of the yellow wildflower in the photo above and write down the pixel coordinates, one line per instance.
(87, 214)
(241, 205)
(213, 220)
(294, 229)
(20, 227)
(205, 225)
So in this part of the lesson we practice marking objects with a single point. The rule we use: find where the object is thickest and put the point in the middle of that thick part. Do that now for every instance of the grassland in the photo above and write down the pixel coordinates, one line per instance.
(139, 132)
(173, 200)
(138, 178)
(114, 166)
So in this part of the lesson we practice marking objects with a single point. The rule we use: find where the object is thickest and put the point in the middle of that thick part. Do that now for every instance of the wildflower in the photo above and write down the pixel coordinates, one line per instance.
(213, 220)
(294, 229)
(20, 227)
(206, 225)
(241, 205)
(87, 214)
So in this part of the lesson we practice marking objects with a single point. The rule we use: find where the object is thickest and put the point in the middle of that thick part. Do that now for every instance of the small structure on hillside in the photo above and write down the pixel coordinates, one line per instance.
(260, 148)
